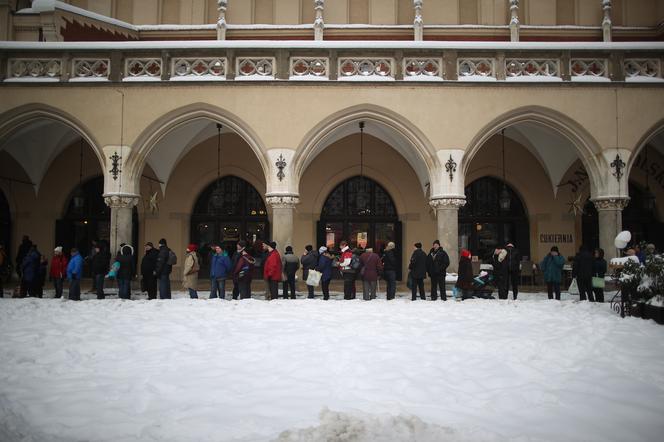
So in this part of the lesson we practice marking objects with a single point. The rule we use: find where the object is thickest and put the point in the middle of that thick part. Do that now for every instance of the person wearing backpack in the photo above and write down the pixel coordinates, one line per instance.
(190, 271)
(290, 265)
(165, 262)
(346, 270)
(437, 263)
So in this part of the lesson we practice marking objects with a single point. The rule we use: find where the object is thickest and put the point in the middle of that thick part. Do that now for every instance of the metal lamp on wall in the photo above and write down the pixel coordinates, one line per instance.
(79, 195)
(505, 200)
(217, 197)
(648, 197)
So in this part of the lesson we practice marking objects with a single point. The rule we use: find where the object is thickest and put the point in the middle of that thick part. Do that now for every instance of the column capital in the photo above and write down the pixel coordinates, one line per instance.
(447, 203)
(282, 201)
(121, 200)
(610, 203)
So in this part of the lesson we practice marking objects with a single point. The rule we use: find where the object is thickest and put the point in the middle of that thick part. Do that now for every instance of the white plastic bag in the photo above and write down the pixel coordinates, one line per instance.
(313, 279)
(573, 288)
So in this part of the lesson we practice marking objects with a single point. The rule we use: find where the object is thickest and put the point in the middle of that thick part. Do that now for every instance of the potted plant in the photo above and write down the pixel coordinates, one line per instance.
(644, 283)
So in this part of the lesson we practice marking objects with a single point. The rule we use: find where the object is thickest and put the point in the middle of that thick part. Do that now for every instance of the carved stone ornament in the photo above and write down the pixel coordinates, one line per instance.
(121, 201)
(282, 202)
(618, 164)
(611, 203)
(451, 167)
(447, 203)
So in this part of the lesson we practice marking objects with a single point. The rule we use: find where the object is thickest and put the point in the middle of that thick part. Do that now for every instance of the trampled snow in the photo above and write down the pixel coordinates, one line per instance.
(310, 370)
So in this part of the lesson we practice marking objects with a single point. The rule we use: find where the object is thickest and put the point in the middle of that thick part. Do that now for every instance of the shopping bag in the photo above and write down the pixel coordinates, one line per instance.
(598, 283)
(409, 281)
(313, 279)
(573, 288)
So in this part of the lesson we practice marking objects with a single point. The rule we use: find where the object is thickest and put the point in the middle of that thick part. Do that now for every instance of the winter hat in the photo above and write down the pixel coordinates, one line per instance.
(436, 242)
(58, 249)
(162, 242)
(418, 245)
(273, 244)
(390, 246)
(465, 253)
(509, 244)
(322, 249)
(149, 244)
(192, 247)
(555, 249)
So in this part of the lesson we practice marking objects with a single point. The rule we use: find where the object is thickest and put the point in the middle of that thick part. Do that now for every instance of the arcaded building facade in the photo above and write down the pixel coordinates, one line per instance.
(476, 122)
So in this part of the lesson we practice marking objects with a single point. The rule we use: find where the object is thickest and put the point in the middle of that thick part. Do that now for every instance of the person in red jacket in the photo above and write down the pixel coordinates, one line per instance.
(272, 269)
(58, 271)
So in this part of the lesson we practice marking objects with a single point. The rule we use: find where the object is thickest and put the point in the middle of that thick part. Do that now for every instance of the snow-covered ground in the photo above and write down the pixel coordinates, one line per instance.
(309, 370)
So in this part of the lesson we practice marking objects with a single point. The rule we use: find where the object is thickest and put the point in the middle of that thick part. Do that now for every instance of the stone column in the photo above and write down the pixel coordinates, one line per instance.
(121, 205)
(418, 23)
(514, 20)
(606, 21)
(283, 208)
(447, 230)
(610, 223)
(221, 22)
(319, 22)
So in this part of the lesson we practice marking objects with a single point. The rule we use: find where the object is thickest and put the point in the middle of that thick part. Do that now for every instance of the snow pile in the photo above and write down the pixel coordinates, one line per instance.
(212, 370)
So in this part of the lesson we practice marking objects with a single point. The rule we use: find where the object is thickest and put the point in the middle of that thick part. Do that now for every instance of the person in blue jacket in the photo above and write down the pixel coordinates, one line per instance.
(220, 266)
(552, 268)
(325, 267)
(74, 271)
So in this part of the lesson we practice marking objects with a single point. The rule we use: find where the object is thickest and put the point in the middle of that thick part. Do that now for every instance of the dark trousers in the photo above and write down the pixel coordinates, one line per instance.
(25, 286)
(553, 287)
(218, 285)
(75, 290)
(193, 294)
(2, 285)
(349, 285)
(502, 286)
(391, 282)
(310, 291)
(289, 285)
(236, 289)
(57, 285)
(369, 290)
(512, 278)
(124, 289)
(244, 289)
(150, 286)
(273, 289)
(438, 283)
(164, 287)
(326, 289)
(585, 289)
(599, 295)
(418, 283)
(99, 283)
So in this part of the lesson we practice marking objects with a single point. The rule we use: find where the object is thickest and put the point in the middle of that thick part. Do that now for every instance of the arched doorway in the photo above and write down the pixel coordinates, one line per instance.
(234, 212)
(484, 225)
(361, 211)
(5, 224)
(87, 218)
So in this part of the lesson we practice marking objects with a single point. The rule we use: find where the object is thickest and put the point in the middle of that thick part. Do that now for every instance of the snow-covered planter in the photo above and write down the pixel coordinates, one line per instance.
(645, 285)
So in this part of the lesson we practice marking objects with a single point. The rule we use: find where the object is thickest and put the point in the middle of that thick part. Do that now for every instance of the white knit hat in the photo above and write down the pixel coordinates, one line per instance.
(58, 249)
(322, 249)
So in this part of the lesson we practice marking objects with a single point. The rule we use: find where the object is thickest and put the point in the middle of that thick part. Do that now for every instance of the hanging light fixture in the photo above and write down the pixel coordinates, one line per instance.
(505, 200)
(79, 195)
(217, 197)
(365, 209)
(649, 197)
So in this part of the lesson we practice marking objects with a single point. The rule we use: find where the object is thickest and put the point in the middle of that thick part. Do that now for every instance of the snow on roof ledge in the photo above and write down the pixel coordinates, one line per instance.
(335, 44)
(39, 6)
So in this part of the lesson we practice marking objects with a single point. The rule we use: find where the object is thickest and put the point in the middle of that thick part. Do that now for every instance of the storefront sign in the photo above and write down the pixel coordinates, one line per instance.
(556, 238)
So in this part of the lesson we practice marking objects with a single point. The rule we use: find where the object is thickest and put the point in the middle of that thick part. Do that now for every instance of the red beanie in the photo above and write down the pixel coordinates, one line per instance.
(465, 253)
(192, 247)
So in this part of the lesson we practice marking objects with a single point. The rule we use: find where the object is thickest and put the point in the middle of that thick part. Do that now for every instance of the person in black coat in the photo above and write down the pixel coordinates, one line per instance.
(501, 272)
(437, 263)
(149, 270)
(100, 265)
(599, 271)
(163, 270)
(418, 271)
(582, 270)
(126, 272)
(513, 268)
(23, 250)
(390, 270)
(309, 261)
(30, 272)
